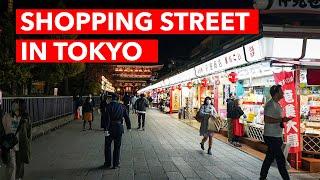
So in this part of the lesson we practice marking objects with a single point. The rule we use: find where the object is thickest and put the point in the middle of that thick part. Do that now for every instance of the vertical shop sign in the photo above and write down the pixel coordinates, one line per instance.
(176, 97)
(289, 105)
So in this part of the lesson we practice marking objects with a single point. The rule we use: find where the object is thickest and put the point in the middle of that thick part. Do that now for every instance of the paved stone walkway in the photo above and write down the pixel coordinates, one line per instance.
(167, 149)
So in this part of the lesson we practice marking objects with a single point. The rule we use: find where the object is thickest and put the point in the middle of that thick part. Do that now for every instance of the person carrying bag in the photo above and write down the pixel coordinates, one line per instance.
(15, 140)
(206, 112)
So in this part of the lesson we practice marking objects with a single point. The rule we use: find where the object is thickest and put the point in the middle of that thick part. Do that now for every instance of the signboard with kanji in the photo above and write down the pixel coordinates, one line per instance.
(289, 103)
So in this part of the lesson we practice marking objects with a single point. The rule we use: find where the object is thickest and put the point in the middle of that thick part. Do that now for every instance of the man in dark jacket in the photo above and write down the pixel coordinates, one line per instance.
(141, 106)
(114, 114)
(126, 101)
(230, 105)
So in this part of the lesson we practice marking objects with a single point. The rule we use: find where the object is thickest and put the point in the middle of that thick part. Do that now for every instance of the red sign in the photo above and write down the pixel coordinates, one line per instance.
(233, 77)
(289, 104)
(137, 21)
(87, 51)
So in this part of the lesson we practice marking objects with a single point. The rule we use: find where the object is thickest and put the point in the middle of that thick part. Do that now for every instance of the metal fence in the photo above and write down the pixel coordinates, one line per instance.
(44, 109)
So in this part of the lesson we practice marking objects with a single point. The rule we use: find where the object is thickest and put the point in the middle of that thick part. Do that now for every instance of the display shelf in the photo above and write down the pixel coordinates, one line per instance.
(311, 144)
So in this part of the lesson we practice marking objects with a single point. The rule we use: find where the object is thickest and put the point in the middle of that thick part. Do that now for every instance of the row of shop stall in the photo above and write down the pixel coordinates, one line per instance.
(248, 72)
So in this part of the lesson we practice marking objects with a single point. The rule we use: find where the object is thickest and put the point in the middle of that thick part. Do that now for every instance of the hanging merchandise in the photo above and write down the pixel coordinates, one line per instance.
(204, 82)
(233, 77)
(180, 87)
(189, 85)
(172, 88)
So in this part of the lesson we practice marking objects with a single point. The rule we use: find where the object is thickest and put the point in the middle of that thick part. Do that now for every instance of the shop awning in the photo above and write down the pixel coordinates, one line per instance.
(281, 51)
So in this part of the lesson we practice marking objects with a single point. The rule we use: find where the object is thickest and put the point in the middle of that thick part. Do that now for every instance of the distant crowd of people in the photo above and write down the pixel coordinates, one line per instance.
(112, 112)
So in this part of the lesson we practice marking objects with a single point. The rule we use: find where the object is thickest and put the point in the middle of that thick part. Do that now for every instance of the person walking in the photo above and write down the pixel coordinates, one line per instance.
(87, 113)
(93, 104)
(103, 105)
(133, 101)
(238, 128)
(114, 115)
(141, 107)
(272, 135)
(230, 106)
(17, 124)
(126, 101)
(206, 111)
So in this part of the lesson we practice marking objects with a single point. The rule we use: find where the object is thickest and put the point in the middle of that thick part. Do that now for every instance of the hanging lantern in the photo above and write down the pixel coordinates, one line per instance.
(233, 77)
(189, 85)
(180, 87)
(204, 82)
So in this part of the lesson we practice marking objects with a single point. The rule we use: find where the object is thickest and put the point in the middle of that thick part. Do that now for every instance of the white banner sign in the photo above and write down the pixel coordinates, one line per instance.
(229, 60)
(254, 51)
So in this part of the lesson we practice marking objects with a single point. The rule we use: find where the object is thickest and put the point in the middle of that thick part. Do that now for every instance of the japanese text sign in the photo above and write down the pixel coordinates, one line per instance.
(289, 103)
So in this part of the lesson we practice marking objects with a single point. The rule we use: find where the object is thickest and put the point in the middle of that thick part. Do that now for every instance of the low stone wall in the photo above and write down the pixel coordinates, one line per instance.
(50, 126)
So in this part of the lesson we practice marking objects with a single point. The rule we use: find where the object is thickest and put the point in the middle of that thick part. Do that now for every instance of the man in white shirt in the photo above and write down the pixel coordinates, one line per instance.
(273, 134)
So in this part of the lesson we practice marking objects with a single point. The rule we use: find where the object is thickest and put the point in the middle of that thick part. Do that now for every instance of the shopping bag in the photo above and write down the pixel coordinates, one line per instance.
(212, 125)
(198, 116)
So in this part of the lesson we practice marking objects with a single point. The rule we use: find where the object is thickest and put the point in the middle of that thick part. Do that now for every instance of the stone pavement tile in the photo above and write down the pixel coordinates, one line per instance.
(175, 176)
(156, 171)
(142, 176)
(126, 173)
(179, 161)
(217, 172)
(141, 169)
(169, 166)
(195, 165)
(153, 162)
(246, 172)
(187, 171)
(205, 174)
(167, 149)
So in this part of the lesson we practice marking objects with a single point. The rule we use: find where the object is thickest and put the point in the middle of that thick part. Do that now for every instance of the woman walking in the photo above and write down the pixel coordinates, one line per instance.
(238, 129)
(206, 111)
(87, 113)
(16, 123)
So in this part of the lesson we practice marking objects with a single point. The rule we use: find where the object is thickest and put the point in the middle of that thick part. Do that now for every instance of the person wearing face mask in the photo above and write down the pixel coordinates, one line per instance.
(17, 123)
(206, 111)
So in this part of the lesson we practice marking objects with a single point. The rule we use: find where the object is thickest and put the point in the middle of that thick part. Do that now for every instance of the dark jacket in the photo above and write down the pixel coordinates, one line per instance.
(236, 112)
(87, 107)
(141, 104)
(114, 115)
(126, 100)
(24, 136)
(230, 107)
(103, 105)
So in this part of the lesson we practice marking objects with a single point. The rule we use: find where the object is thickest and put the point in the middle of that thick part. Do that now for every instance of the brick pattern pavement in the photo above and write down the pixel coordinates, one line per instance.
(167, 149)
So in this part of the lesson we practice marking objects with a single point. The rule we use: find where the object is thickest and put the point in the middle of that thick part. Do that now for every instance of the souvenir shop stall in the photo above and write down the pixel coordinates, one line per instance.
(248, 72)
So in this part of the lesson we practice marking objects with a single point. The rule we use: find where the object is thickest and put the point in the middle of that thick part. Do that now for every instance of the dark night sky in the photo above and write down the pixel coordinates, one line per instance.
(170, 46)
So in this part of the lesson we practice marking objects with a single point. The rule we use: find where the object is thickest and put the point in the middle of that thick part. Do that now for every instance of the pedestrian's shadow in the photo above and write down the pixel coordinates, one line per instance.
(201, 152)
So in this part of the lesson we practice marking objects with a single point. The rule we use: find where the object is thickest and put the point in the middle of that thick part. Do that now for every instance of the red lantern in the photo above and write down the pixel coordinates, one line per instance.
(189, 85)
(204, 82)
(180, 87)
(233, 77)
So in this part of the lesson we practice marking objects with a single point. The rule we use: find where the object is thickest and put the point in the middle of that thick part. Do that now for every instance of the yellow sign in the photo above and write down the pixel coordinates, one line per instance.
(176, 99)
